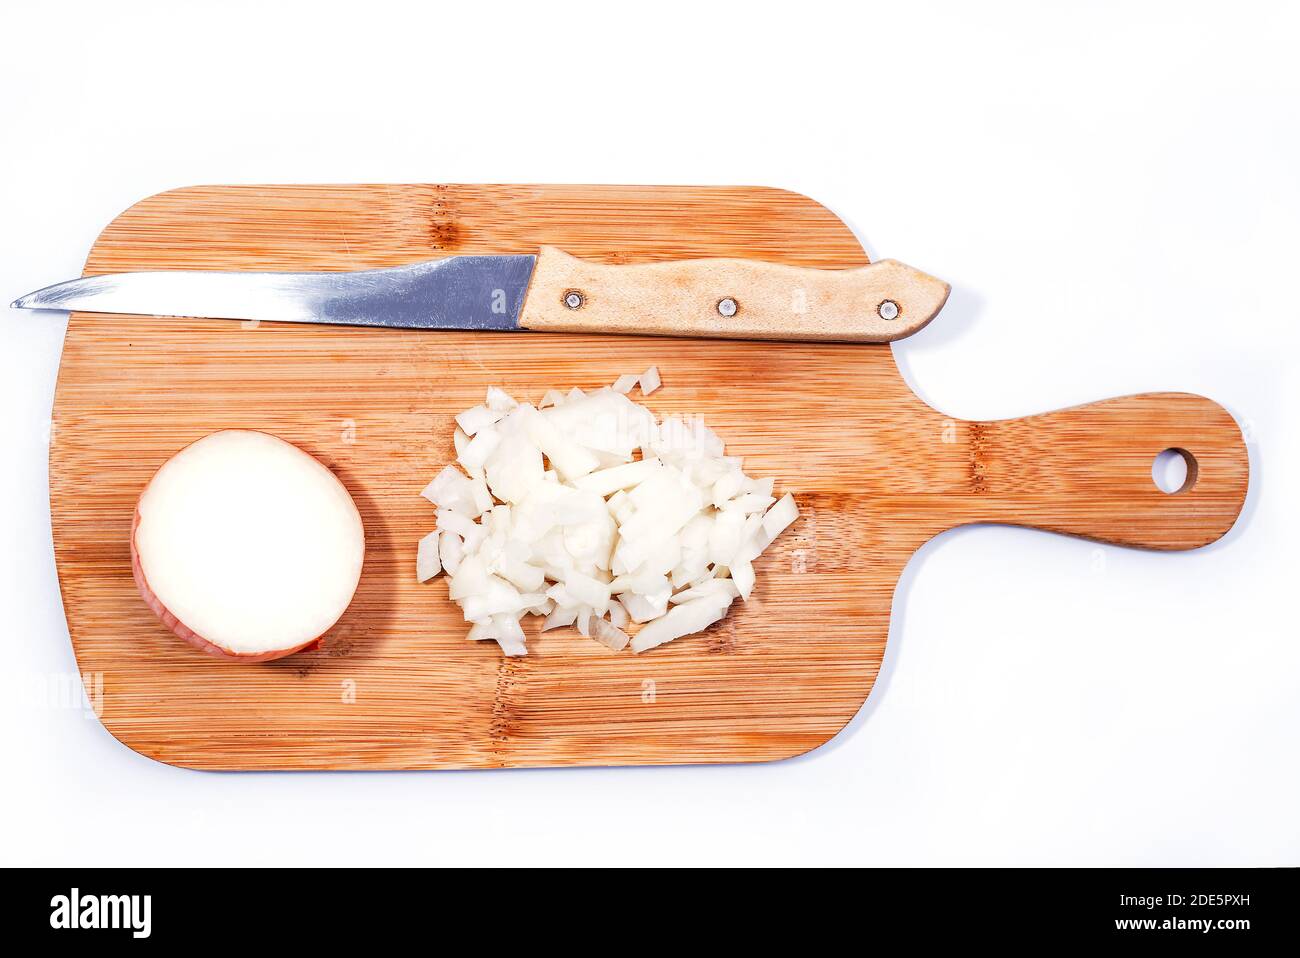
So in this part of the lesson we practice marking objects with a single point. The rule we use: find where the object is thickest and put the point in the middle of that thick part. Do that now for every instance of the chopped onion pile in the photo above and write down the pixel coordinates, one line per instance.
(589, 512)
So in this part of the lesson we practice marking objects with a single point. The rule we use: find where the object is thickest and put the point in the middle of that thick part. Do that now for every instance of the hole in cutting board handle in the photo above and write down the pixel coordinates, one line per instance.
(1174, 471)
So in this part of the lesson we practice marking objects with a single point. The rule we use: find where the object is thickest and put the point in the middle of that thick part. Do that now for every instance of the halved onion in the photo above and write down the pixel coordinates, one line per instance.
(247, 547)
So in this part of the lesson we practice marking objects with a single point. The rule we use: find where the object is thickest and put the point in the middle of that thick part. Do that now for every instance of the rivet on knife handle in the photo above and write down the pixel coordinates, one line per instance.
(732, 298)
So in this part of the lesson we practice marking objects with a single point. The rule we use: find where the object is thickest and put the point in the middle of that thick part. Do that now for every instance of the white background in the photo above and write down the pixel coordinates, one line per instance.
(1114, 194)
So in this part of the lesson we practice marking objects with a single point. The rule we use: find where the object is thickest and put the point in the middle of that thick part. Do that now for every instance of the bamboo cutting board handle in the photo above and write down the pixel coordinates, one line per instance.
(1087, 471)
(731, 299)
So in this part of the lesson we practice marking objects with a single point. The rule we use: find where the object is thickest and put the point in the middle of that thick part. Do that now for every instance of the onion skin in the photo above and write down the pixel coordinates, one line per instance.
(180, 628)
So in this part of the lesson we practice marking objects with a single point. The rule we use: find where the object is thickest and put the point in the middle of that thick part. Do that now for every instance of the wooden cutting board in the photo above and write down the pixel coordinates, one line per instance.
(875, 471)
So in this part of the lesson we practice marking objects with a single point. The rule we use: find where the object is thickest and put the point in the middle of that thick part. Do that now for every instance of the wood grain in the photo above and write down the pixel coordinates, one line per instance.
(768, 300)
(395, 684)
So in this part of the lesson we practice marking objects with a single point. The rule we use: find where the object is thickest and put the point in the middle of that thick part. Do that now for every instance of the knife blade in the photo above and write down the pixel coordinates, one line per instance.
(552, 291)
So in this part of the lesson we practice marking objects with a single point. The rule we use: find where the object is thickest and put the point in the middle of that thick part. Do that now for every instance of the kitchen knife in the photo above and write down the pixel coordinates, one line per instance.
(551, 291)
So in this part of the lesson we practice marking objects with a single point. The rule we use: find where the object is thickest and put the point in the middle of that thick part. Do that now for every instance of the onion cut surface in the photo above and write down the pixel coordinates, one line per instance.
(588, 511)
(246, 546)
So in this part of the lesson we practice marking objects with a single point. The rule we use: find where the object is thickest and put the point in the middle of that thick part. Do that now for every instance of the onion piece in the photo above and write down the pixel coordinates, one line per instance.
(569, 459)
(505, 629)
(514, 468)
(498, 400)
(742, 574)
(724, 537)
(247, 547)
(588, 591)
(510, 635)
(462, 525)
(645, 607)
(780, 516)
(608, 481)
(476, 452)
(480, 417)
(641, 583)
(707, 589)
(459, 441)
(427, 563)
(727, 487)
(609, 635)
(525, 577)
(618, 613)
(748, 502)
(559, 617)
(450, 489)
(685, 619)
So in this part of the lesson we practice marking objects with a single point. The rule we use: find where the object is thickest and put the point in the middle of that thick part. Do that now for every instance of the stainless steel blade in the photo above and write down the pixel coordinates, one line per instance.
(459, 292)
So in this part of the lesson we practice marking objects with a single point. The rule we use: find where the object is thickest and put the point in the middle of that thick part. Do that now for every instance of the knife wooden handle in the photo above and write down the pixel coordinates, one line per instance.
(730, 298)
